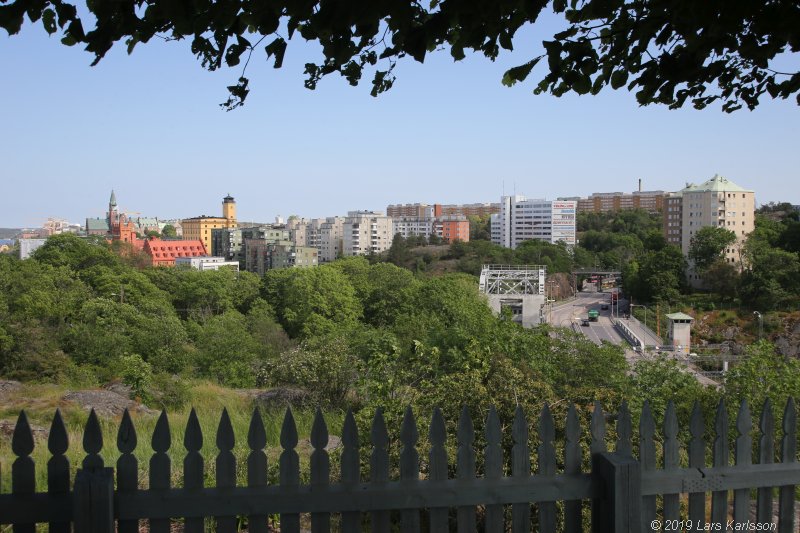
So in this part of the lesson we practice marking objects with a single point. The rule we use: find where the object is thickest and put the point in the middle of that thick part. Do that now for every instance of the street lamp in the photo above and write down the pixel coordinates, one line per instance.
(760, 324)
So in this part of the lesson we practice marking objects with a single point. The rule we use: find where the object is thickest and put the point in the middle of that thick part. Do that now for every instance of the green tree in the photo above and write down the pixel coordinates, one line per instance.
(708, 246)
(762, 374)
(169, 231)
(480, 227)
(668, 51)
(399, 253)
(313, 301)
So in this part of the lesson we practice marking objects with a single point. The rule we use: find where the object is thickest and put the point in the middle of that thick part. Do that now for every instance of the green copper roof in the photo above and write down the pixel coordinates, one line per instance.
(716, 184)
(113, 200)
(96, 224)
(680, 316)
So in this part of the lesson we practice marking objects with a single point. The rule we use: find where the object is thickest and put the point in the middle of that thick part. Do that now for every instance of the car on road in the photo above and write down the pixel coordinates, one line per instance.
(604, 307)
(585, 322)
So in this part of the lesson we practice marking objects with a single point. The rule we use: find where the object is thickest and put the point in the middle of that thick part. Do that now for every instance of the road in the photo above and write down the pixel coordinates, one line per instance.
(574, 311)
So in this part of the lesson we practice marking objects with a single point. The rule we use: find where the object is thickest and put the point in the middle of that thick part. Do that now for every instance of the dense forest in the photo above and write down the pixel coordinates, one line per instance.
(350, 334)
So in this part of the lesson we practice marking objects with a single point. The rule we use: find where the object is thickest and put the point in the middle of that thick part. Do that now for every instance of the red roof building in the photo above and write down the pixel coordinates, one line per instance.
(164, 253)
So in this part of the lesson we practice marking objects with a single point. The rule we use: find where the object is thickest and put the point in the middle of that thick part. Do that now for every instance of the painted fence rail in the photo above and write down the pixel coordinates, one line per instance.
(621, 490)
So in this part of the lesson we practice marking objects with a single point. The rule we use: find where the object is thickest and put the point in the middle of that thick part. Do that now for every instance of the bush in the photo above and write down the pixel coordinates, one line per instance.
(168, 392)
(136, 373)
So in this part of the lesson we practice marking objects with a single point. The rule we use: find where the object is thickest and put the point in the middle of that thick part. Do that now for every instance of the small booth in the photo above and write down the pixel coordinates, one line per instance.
(679, 334)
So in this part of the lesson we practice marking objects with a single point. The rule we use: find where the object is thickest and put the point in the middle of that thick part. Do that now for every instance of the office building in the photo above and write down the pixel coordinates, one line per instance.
(522, 219)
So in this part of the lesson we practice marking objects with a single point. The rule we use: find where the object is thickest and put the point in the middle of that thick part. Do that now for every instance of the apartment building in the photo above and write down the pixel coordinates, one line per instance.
(673, 218)
(449, 228)
(324, 234)
(607, 202)
(366, 232)
(522, 219)
(717, 202)
(467, 210)
(410, 211)
(262, 255)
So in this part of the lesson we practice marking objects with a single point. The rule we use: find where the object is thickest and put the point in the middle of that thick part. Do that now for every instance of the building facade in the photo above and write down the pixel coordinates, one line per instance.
(717, 202)
(164, 253)
(201, 227)
(438, 210)
(521, 219)
(673, 218)
(204, 263)
(366, 232)
(608, 202)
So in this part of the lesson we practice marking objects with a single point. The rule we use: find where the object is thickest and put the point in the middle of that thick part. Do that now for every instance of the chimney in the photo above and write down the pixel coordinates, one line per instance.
(640, 184)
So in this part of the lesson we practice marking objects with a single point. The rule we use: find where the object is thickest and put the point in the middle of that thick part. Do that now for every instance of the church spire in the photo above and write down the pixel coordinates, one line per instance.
(113, 200)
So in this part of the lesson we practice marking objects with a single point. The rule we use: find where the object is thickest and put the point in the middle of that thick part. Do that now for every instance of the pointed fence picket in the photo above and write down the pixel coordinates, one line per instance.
(623, 490)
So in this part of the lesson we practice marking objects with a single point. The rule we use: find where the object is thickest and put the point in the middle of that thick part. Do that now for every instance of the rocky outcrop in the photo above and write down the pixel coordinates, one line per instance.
(106, 402)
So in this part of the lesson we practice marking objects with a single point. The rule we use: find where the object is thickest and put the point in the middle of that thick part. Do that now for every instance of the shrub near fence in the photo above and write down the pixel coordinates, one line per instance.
(622, 490)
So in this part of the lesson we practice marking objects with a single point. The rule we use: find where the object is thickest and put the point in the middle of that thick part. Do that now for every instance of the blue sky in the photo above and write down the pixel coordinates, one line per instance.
(149, 126)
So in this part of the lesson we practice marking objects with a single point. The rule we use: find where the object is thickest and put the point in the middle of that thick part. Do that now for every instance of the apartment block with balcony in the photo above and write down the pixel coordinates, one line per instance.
(366, 232)
(717, 202)
(673, 218)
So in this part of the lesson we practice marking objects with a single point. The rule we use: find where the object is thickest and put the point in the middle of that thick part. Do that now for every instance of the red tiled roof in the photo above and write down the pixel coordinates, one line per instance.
(165, 252)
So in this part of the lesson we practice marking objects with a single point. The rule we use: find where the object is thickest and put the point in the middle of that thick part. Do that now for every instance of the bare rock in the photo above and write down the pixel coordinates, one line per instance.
(785, 348)
(105, 402)
(119, 388)
(8, 386)
(282, 397)
(7, 429)
(731, 333)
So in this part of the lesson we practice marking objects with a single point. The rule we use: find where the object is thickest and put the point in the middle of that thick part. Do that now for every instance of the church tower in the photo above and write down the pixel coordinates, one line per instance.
(229, 211)
(113, 216)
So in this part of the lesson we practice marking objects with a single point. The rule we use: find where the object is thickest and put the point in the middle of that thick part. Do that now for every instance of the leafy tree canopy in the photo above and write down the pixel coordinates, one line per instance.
(708, 245)
(669, 51)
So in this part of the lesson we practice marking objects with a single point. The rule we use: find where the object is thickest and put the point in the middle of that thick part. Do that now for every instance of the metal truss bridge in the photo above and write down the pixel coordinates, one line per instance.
(512, 279)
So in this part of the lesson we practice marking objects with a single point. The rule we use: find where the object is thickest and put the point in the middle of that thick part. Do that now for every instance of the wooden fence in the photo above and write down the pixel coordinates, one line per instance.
(621, 490)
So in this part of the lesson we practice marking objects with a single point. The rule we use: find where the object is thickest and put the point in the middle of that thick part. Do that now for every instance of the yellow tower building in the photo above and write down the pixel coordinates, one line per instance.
(229, 210)
(201, 227)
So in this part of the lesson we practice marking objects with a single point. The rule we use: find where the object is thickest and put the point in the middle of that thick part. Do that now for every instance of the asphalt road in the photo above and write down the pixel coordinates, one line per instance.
(575, 311)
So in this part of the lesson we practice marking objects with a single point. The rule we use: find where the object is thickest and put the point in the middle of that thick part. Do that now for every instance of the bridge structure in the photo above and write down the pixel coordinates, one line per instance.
(517, 288)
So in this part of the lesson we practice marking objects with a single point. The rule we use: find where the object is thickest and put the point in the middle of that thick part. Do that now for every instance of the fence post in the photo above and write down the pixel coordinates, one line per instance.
(93, 500)
(618, 508)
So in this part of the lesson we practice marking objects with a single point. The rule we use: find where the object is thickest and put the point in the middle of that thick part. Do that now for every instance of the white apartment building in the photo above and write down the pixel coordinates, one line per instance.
(330, 237)
(413, 226)
(324, 234)
(522, 219)
(366, 232)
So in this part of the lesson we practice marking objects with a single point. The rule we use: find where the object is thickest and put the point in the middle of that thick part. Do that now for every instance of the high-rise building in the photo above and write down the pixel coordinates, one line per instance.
(201, 227)
(522, 219)
(673, 218)
(366, 232)
(717, 202)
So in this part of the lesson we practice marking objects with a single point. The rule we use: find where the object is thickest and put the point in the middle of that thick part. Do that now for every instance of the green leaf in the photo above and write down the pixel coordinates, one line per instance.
(69, 40)
(559, 6)
(276, 48)
(49, 21)
(619, 78)
(515, 74)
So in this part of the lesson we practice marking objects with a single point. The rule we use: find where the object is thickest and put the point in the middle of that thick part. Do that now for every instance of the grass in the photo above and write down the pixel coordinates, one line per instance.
(41, 401)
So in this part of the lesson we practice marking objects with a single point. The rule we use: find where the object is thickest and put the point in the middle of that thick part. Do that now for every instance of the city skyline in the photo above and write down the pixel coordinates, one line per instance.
(149, 127)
